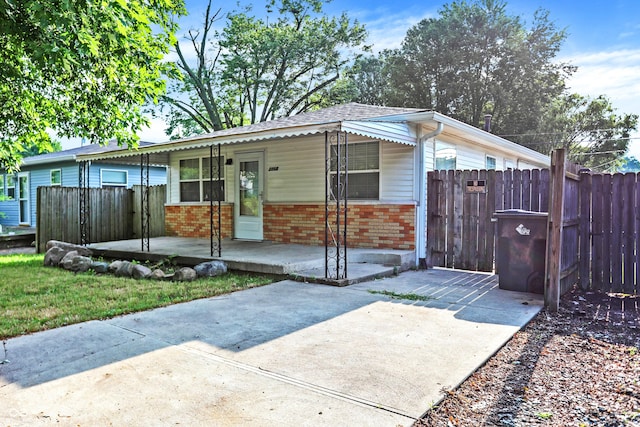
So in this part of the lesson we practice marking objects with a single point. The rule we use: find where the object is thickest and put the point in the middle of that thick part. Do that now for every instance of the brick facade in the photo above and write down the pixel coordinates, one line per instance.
(389, 226)
(194, 220)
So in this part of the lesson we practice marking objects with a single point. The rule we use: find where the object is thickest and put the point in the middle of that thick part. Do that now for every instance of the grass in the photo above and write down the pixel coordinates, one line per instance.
(35, 298)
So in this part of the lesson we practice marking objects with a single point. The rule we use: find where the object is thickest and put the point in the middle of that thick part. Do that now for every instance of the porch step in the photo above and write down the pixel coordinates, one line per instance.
(356, 273)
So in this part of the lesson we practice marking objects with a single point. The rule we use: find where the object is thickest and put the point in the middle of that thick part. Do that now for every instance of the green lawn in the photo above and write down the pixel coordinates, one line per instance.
(34, 297)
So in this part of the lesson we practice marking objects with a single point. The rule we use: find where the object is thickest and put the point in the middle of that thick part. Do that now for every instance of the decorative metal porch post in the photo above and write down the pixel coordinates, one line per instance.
(215, 206)
(336, 198)
(145, 212)
(84, 213)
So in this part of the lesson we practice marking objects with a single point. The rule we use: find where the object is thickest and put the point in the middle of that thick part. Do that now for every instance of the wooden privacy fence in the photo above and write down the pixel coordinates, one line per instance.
(460, 208)
(114, 214)
(593, 230)
(157, 198)
(610, 232)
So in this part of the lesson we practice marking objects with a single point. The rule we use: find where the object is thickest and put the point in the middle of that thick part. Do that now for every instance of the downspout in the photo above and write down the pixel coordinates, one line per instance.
(421, 211)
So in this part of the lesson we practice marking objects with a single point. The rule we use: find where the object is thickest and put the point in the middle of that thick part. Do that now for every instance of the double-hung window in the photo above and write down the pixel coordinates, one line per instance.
(363, 168)
(490, 163)
(56, 177)
(445, 157)
(199, 182)
(113, 178)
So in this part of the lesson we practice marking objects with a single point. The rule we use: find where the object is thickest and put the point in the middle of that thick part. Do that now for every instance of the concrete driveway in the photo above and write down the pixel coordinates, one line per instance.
(287, 354)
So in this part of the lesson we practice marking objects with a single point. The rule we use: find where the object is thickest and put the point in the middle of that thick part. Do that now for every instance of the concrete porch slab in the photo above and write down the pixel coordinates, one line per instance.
(258, 257)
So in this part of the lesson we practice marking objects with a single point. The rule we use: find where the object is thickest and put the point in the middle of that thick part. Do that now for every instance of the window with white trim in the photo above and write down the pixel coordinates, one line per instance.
(56, 177)
(445, 156)
(11, 186)
(196, 183)
(113, 178)
(490, 163)
(2, 193)
(364, 170)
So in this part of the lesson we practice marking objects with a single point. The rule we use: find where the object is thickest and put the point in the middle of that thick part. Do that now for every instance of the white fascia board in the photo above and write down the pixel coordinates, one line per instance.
(33, 161)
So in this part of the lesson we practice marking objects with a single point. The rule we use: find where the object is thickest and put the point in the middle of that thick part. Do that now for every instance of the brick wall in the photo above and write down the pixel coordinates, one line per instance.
(193, 220)
(370, 225)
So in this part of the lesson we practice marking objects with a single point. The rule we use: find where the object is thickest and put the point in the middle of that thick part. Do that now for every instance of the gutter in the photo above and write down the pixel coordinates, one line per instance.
(421, 211)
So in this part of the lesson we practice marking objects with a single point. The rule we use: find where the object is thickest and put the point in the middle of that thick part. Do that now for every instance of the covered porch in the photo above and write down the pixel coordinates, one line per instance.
(301, 262)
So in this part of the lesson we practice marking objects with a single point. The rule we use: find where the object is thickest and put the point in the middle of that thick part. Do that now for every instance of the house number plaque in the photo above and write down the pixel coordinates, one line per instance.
(476, 186)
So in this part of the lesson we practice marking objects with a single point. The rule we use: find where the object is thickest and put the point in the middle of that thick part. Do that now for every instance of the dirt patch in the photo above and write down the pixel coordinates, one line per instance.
(579, 367)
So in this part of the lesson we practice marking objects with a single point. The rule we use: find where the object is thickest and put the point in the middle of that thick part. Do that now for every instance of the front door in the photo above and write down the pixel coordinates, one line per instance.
(23, 199)
(249, 192)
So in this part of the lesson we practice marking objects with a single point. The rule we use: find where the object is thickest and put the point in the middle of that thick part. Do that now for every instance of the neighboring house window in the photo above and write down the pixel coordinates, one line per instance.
(195, 180)
(490, 163)
(364, 170)
(1, 186)
(113, 178)
(56, 177)
(11, 186)
(445, 157)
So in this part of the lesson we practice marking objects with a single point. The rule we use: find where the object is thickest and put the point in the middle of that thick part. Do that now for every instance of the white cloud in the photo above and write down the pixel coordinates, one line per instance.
(613, 73)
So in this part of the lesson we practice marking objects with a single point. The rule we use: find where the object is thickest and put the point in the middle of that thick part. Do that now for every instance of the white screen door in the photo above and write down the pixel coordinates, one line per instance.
(249, 191)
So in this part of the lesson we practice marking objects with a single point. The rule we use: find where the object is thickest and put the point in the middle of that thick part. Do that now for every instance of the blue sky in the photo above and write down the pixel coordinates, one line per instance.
(603, 39)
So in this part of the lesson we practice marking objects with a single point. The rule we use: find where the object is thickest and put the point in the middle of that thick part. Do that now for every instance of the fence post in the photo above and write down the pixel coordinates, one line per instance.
(554, 240)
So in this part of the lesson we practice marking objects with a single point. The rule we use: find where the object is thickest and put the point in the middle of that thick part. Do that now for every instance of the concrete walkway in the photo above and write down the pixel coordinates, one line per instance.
(287, 354)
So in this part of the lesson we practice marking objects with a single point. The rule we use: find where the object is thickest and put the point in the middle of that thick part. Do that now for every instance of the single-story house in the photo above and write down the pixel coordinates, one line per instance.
(61, 169)
(272, 182)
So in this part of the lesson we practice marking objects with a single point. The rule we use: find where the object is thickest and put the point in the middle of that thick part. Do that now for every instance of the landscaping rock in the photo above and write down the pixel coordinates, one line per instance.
(114, 266)
(99, 267)
(74, 262)
(185, 274)
(125, 269)
(68, 247)
(210, 269)
(53, 256)
(140, 271)
(157, 274)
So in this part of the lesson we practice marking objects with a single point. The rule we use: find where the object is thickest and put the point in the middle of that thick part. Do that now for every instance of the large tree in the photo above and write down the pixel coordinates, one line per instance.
(593, 133)
(256, 69)
(79, 68)
(476, 59)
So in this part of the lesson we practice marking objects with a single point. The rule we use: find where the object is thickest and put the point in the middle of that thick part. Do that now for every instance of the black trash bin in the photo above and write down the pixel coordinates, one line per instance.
(521, 250)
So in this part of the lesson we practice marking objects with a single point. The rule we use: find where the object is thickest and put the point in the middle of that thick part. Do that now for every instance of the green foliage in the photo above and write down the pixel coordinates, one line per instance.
(80, 68)
(475, 59)
(594, 135)
(34, 297)
(260, 69)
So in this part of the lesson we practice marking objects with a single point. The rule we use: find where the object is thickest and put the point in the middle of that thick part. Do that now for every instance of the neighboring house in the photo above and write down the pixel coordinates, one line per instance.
(273, 179)
(61, 169)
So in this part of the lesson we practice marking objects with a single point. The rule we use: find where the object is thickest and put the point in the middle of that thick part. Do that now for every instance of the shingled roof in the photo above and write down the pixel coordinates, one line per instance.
(338, 113)
(70, 154)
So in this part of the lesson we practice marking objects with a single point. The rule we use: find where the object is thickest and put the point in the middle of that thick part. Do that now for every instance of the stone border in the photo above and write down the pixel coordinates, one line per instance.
(78, 259)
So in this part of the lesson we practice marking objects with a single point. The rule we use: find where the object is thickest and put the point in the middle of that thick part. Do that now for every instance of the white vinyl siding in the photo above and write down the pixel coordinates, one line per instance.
(397, 171)
(295, 169)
